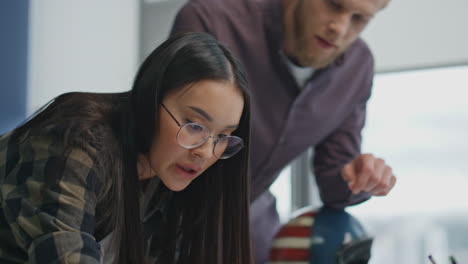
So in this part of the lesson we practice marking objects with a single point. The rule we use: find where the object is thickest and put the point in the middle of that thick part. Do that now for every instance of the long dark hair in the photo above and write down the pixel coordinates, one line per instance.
(208, 222)
(211, 214)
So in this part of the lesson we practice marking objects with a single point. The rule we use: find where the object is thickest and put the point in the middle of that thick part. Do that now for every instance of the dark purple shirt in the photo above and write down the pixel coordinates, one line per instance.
(328, 114)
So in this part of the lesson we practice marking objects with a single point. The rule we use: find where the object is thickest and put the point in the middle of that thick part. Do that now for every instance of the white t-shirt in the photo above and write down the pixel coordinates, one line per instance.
(301, 74)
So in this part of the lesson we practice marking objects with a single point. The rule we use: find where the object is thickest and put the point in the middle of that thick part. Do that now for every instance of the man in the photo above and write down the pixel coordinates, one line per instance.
(311, 76)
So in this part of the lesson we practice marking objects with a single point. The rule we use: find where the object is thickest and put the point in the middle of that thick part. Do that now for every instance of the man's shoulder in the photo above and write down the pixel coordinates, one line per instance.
(360, 54)
(360, 49)
(233, 7)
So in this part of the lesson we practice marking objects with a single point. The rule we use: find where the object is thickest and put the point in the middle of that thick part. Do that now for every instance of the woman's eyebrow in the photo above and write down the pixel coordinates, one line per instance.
(202, 113)
(207, 116)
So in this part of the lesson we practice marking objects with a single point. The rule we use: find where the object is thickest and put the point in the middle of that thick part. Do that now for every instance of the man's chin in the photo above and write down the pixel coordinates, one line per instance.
(317, 65)
(314, 62)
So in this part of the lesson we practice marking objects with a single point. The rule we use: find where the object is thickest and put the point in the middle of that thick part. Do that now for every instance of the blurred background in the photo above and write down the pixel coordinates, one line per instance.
(417, 115)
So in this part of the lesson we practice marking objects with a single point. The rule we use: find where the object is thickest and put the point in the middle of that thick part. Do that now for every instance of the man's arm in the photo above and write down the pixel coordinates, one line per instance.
(344, 175)
(330, 156)
(190, 18)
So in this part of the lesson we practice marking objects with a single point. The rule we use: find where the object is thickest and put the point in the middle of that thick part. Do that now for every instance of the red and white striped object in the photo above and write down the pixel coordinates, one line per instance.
(292, 243)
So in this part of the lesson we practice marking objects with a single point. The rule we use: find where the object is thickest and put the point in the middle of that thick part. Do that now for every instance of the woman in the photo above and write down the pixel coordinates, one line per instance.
(154, 175)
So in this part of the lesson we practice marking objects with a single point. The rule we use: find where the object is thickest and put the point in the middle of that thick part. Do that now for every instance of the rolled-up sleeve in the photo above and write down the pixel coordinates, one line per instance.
(342, 146)
(191, 18)
(339, 148)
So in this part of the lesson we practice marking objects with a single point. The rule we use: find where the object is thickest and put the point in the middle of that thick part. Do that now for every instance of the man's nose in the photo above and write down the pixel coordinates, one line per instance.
(340, 23)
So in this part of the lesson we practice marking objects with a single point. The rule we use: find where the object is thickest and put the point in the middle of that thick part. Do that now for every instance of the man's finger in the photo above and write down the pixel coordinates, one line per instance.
(385, 188)
(365, 170)
(348, 173)
(377, 177)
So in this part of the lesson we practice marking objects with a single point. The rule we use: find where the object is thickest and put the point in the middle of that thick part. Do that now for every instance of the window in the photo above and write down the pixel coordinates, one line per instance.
(281, 188)
(418, 122)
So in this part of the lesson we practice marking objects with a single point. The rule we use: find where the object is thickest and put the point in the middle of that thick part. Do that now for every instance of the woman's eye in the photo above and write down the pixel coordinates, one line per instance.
(194, 127)
(222, 135)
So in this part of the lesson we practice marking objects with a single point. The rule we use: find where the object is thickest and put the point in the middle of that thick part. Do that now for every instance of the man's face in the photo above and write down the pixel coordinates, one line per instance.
(318, 31)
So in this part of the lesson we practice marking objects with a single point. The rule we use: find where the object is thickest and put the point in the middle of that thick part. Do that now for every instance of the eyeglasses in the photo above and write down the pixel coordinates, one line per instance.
(193, 135)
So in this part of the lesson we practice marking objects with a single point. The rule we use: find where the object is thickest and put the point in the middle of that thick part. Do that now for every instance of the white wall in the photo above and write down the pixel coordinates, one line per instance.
(408, 34)
(81, 45)
(157, 17)
(97, 46)
(411, 34)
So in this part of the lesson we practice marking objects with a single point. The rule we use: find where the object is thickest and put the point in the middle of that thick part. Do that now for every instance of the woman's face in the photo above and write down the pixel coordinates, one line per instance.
(214, 104)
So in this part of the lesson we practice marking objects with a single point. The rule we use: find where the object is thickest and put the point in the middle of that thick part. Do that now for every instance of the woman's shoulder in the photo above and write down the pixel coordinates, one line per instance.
(40, 165)
(41, 148)
(44, 181)
(82, 120)
(74, 134)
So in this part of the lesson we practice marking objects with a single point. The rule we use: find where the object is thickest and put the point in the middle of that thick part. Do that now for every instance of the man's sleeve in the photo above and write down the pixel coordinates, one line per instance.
(340, 147)
(190, 18)
(49, 202)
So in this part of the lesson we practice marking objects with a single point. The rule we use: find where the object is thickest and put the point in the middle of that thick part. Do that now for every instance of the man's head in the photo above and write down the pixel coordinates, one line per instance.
(316, 32)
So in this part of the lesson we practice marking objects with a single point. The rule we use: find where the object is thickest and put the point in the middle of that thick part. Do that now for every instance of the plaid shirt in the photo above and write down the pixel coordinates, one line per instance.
(48, 203)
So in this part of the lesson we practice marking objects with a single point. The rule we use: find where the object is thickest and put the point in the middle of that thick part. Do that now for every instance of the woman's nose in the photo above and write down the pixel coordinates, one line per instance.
(205, 150)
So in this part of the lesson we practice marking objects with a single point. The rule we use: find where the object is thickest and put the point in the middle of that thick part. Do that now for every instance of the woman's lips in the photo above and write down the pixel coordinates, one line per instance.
(187, 171)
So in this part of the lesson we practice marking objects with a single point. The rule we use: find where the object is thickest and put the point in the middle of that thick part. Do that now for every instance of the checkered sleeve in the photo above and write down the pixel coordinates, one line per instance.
(48, 199)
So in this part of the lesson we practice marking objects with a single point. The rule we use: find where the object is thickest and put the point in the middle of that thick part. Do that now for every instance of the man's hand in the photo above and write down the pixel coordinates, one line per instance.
(370, 174)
